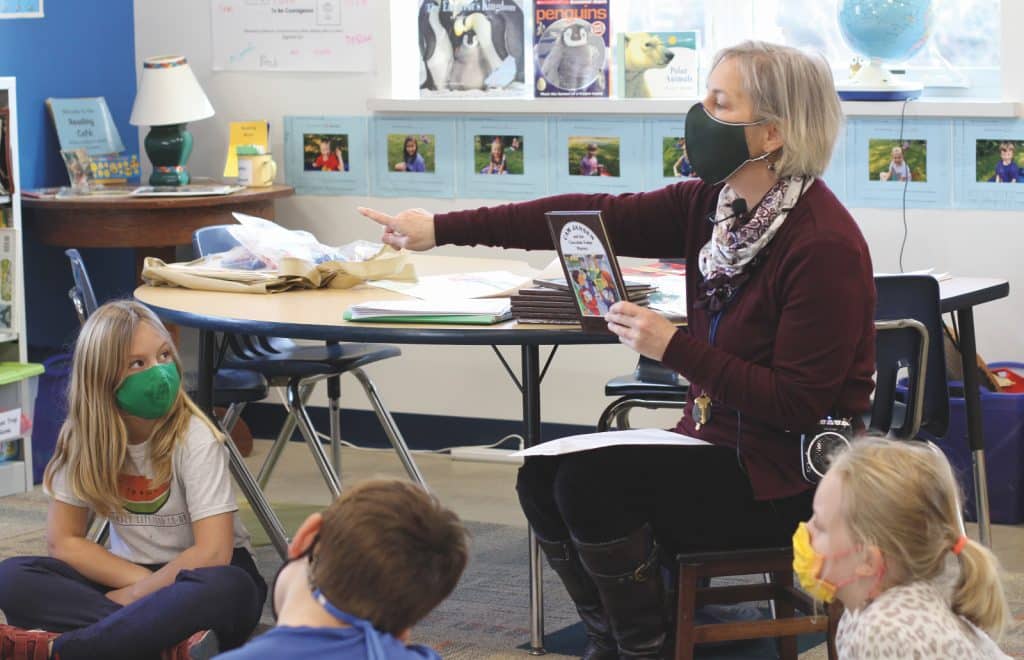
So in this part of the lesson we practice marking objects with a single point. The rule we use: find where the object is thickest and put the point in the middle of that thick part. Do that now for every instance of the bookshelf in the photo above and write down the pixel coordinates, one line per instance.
(17, 377)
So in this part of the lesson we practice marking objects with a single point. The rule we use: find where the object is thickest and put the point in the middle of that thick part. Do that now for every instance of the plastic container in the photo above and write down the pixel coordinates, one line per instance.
(1003, 424)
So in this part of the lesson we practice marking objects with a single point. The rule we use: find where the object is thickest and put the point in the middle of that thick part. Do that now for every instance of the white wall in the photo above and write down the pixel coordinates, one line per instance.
(469, 381)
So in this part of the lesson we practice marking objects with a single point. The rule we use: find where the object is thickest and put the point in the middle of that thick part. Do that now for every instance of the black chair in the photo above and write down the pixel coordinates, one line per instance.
(233, 388)
(651, 385)
(298, 369)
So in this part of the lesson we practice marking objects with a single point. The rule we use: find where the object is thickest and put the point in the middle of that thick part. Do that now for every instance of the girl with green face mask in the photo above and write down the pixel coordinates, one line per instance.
(887, 541)
(135, 449)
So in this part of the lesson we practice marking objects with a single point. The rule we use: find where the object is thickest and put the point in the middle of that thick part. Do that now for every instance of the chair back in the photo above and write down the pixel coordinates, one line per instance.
(909, 324)
(81, 294)
(212, 239)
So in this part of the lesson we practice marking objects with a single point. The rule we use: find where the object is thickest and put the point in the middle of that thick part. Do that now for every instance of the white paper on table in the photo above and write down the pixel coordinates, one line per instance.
(457, 286)
(588, 441)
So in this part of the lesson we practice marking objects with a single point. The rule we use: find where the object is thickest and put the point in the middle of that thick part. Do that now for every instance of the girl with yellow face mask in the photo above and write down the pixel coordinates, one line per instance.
(886, 540)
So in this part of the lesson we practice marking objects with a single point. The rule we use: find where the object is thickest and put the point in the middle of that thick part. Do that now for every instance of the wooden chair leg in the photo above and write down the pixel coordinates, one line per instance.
(686, 611)
(835, 610)
(783, 610)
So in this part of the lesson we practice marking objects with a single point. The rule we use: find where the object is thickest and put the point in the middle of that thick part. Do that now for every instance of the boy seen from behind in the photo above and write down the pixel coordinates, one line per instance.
(361, 574)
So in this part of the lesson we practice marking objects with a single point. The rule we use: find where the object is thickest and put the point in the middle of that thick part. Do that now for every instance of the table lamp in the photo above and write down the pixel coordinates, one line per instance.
(169, 97)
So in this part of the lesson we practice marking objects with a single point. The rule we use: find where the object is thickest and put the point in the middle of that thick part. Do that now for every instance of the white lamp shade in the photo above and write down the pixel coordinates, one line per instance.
(169, 94)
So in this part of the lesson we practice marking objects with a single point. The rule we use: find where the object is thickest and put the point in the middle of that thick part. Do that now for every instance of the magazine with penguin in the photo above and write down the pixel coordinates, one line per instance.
(570, 47)
(472, 48)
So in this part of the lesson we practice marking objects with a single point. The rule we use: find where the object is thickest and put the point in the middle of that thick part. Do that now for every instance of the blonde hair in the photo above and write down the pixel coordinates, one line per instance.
(93, 440)
(794, 91)
(902, 498)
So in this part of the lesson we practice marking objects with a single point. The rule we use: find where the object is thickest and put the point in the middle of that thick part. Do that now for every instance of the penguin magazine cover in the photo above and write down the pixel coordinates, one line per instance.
(570, 47)
(472, 48)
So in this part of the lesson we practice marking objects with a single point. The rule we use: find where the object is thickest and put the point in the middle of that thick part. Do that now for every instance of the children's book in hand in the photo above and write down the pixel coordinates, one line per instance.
(589, 264)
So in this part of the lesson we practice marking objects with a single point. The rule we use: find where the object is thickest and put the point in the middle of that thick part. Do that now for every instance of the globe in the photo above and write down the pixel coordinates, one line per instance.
(890, 30)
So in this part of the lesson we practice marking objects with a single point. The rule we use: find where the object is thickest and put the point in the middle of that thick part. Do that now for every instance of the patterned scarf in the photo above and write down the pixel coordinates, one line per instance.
(727, 260)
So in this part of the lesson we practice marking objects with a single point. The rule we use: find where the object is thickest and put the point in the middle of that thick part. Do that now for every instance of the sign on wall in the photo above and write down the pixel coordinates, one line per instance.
(292, 35)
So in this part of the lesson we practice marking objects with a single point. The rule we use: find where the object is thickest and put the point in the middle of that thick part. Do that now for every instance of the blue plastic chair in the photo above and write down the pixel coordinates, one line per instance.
(298, 369)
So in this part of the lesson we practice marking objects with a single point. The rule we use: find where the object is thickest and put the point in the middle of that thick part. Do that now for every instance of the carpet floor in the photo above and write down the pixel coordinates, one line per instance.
(486, 617)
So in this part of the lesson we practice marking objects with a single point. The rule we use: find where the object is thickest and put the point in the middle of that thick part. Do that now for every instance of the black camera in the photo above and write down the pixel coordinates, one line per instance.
(817, 448)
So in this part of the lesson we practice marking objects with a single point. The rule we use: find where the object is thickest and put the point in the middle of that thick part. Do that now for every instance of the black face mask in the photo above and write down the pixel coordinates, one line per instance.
(717, 149)
(307, 553)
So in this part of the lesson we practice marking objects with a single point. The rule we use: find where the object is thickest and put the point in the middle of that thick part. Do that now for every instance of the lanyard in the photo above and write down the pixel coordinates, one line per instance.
(372, 636)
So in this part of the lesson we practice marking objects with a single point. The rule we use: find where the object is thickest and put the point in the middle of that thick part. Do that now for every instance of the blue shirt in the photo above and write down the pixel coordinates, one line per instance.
(1008, 173)
(307, 642)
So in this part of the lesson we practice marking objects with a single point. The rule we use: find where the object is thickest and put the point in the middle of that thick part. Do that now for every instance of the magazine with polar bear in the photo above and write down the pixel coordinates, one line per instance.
(656, 65)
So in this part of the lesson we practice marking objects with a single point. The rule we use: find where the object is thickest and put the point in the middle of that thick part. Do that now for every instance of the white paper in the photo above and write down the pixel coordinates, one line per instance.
(297, 35)
(924, 271)
(483, 284)
(370, 308)
(588, 441)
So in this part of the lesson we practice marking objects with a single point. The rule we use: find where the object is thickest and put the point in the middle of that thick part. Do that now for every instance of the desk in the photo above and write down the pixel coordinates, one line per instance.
(959, 296)
(156, 223)
(317, 315)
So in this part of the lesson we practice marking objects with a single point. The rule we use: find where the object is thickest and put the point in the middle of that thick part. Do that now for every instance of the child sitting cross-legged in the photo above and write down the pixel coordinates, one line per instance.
(886, 540)
(361, 574)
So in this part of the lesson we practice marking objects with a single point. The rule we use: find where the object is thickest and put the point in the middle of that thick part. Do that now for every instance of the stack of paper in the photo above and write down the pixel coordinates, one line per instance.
(477, 311)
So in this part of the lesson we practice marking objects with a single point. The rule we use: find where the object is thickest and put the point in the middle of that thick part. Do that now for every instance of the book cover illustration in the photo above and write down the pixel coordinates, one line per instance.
(570, 47)
(656, 65)
(79, 166)
(589, 264)
(244, 133)
(472, 47)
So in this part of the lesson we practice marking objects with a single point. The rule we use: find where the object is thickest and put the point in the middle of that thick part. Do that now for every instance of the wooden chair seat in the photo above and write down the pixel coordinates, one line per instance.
(787, 598)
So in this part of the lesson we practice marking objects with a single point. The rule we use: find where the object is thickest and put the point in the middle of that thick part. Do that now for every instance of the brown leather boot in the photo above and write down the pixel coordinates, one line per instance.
(627, 574)
(565, 562)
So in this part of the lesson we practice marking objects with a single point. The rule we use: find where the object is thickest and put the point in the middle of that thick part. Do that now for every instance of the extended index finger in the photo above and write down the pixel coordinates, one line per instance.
(375, 215)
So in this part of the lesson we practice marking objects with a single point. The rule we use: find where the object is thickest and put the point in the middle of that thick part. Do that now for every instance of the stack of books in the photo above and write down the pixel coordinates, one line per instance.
(550, 301)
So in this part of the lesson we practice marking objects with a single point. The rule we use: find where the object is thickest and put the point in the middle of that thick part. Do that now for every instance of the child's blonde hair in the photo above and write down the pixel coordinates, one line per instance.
(902, 498)
(92, 443)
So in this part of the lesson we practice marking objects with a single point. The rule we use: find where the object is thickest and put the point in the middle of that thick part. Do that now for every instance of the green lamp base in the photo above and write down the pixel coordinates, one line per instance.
(169, 148)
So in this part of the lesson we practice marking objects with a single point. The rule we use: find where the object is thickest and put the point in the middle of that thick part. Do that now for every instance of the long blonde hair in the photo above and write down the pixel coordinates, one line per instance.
(902, 498)
(93, 440)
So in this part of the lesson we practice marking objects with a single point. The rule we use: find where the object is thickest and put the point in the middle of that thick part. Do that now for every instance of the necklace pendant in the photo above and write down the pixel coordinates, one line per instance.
(701, 410)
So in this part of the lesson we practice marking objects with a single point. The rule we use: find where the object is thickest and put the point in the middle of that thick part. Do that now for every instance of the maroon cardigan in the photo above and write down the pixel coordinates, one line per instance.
(796, 343)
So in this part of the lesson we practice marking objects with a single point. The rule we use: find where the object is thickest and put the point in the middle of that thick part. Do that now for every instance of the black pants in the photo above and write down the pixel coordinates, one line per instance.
(696, 498)
(46, 593)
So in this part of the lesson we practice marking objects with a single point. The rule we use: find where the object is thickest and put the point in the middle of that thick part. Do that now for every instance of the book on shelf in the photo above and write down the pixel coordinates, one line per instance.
(588, 263)
(472, 48)
(656, 65)
(6, 172)
(571, 45)
(8, 269)
(476, 311)
(256, 133)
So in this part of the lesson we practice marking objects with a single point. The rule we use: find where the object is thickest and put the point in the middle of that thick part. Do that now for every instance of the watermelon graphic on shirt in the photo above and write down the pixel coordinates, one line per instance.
(139, 494)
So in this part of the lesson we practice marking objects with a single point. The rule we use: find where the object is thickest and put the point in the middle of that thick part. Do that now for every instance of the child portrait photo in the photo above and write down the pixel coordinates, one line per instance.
(593, 156)
(324, 153)
(674, 161)
(498, 154)
(411, 153)
(999, 161)
(901, 161)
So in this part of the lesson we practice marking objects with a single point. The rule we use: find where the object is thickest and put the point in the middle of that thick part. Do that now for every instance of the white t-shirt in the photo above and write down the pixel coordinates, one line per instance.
(155, 525)
(911, 621)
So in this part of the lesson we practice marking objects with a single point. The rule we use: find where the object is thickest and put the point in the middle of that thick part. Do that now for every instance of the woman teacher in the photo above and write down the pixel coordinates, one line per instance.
(780, 334)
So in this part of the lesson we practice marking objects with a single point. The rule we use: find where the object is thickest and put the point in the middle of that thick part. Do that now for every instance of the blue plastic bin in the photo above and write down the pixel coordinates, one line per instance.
(1003, 423)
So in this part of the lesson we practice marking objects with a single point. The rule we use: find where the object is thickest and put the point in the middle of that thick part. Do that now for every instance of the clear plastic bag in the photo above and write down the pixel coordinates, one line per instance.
(263, 244)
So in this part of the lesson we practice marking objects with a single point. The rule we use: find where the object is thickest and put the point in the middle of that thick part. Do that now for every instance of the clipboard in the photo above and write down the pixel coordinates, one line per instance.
(588, 263)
